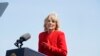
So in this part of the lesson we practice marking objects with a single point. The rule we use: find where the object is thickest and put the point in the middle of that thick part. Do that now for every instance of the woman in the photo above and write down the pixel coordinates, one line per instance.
(52, 41)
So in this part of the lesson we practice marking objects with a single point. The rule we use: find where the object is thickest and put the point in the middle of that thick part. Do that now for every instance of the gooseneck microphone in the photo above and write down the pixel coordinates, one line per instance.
(23, 38)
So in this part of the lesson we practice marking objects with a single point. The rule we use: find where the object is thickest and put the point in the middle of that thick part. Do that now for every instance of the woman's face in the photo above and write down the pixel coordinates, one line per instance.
(50, 23)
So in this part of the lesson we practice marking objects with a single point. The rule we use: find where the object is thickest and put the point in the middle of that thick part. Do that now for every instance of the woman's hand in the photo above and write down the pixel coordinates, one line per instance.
(45, 45)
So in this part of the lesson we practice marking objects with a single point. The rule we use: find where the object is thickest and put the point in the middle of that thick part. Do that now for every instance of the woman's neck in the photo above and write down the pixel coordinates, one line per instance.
(49, 31)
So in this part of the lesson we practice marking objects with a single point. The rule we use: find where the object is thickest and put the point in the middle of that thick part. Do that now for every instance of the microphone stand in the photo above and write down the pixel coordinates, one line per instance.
(19, 42)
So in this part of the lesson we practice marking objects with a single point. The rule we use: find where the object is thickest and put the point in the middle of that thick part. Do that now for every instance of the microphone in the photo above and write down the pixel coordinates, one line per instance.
(23, 38)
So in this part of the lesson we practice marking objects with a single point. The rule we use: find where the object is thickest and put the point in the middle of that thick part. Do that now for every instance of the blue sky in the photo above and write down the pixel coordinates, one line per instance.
(79, 19)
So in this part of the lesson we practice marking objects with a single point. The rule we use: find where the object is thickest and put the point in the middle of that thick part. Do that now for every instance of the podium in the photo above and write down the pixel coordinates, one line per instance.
(23, 52)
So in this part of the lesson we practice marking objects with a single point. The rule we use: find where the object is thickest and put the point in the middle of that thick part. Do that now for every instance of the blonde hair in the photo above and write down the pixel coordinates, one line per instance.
(55, 18)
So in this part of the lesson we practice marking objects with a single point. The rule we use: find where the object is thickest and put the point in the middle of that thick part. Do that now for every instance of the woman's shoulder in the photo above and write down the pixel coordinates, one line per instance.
(41, 33)
(59, 31)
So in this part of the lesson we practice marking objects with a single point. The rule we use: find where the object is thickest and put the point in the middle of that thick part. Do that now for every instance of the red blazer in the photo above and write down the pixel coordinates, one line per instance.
(55, 44)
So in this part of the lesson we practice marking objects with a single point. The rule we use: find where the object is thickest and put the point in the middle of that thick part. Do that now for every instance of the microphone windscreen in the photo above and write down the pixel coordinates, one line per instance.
(26, 36)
